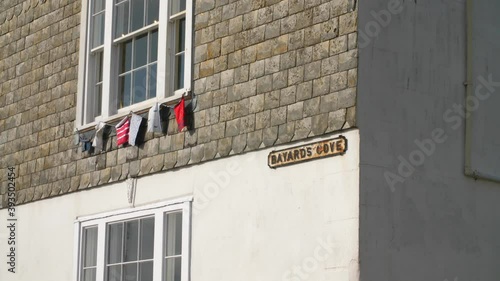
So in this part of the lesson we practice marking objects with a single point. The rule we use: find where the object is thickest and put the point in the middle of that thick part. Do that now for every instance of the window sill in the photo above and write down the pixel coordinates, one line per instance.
(139, 108)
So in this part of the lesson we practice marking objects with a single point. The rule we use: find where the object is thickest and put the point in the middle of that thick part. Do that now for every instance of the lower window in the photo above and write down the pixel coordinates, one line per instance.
(148, 244)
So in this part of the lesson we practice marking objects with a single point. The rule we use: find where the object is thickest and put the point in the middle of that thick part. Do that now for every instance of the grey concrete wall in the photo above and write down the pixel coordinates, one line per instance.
(432, 222)
(483, 131)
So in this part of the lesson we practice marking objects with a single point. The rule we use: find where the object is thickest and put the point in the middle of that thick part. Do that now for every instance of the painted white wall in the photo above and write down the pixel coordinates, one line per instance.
(249, 222)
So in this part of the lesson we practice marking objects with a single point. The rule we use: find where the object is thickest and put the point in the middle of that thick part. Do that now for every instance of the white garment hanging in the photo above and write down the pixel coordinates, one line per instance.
(135, 124)
(154, 120)
(99, 137)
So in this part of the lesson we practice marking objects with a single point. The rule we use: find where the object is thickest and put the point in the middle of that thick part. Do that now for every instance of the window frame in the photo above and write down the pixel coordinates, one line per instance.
(158, 211)
(165, 68)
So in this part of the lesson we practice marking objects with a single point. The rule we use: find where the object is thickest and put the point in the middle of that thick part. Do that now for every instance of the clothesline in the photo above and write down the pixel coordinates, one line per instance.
(130, 114)
(127, 130)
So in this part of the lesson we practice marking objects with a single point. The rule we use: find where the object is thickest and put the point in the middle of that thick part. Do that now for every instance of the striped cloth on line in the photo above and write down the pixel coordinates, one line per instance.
(122, 131)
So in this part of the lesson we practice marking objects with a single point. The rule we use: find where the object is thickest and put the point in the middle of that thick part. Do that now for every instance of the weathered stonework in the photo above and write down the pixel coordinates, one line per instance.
(266, 72)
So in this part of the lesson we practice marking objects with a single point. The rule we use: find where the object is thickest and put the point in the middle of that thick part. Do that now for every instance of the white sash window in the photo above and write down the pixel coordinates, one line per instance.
(144, 244)
(133, 53)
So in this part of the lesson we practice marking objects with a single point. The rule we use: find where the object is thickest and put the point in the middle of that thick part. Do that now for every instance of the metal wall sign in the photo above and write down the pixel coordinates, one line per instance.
(298, 154)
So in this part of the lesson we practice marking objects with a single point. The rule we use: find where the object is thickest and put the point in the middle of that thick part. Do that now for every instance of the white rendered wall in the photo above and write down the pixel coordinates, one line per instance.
(249, 222)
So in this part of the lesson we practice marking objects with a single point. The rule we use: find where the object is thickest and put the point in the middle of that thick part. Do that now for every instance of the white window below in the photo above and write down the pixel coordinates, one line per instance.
(147, 244)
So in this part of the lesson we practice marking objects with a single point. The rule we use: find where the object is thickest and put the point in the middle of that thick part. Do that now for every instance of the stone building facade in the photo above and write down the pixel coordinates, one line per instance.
(414, 197)
(265, 72)
(265, 75)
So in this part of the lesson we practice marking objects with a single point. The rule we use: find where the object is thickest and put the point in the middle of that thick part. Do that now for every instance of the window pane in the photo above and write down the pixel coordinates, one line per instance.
(153, 46)
(181, 36)
(89, 274)
(114, 242)
(98, 57)
(98, 60)
(98, 98)
(153, 10)
(97, 30)
(99, 6)
(173, 269)
(90, 246)
(179, 71)
(121, 26)
(139, 89)
(178, 6)
(137, 14)
(141, 51)
(131, 241)
(146, 271)
(173, 233)
(147, 238)
(152, 81)
(125, 84)
(130, 272)
(126, 57)
(114, 273)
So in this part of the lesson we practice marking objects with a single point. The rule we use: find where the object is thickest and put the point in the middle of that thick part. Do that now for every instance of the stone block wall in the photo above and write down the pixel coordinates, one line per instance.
(266, 72)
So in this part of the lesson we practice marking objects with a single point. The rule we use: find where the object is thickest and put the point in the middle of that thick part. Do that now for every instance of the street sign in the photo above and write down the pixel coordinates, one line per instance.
(298, 154)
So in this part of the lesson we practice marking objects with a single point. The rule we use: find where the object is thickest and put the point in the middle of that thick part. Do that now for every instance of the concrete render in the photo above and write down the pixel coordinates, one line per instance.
(434, 222)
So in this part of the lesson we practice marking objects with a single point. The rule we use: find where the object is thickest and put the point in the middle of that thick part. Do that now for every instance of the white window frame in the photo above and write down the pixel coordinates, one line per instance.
(156, 210)
(164, 86)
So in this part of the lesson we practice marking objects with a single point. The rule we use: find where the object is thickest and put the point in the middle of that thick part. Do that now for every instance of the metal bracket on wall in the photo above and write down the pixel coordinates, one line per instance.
(131, 188)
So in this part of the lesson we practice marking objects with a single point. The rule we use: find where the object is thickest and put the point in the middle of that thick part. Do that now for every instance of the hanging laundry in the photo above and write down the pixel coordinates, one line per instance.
(122, 131)
(154, 120)
(135, 125)
(179, 115)
(86, 146)
(86, 142)
(76, 138)
(98, 142)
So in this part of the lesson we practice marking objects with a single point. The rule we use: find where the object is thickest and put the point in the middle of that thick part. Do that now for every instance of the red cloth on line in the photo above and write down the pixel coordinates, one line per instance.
(179, 115)
(122, 130)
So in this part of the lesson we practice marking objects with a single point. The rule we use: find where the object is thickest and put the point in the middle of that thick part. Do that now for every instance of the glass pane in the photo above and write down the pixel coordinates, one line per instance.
(141, 51)
(178, 6)
(97, 30)
(153, 46)
(147, 238)
(131, 242)
(90, 246)
(98, 60)
(139, 89)
(173, 233)
(173, 269)
(146, 271)
(114, 273)
(98, 99)
(179, 71)
(121, 26)
(89, 274)
(130, 272)
(181, 36)
(153, 10)
(125, 84)
(99, 6)
(152, 81)
(137, 14)
(114, 242)
(126, 57)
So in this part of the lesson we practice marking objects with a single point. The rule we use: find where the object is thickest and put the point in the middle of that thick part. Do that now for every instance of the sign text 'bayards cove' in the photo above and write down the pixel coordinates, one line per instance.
(333, 147)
